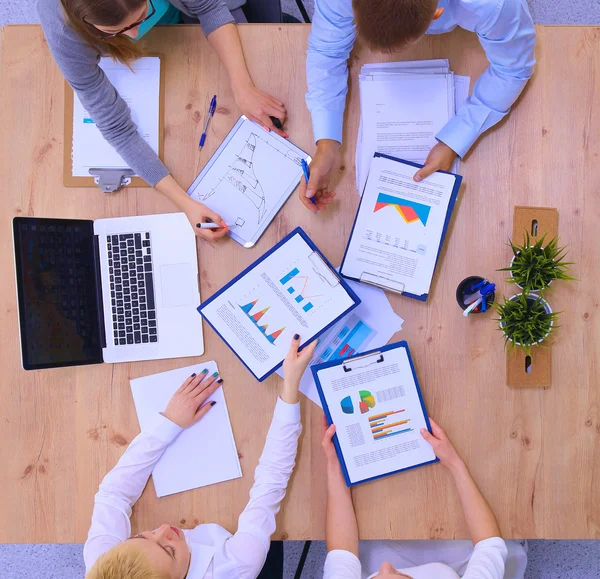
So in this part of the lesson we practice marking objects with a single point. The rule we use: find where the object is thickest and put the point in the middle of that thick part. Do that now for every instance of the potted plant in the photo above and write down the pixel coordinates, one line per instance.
(525, 320)
(535, 267)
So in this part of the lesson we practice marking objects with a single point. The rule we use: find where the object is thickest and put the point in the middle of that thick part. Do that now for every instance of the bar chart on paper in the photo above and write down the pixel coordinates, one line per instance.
(354, 336)
(256, 315)
(388, 424)
(298, 286)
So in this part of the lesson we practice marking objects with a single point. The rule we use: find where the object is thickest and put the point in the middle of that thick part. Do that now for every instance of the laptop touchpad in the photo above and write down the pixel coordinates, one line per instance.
(176, 284)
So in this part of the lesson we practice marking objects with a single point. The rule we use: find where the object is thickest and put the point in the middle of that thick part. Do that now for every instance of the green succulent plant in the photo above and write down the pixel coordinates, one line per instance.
(535, 266)
(524, 321)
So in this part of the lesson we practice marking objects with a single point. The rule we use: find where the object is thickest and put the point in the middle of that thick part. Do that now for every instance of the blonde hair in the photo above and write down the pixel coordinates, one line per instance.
(125, 561)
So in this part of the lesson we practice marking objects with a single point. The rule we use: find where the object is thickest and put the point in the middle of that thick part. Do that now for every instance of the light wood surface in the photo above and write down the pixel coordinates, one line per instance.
(535, 453)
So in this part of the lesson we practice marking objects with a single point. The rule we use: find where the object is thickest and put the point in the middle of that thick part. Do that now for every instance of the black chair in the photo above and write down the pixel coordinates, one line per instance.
(273, 568)
(270, 11)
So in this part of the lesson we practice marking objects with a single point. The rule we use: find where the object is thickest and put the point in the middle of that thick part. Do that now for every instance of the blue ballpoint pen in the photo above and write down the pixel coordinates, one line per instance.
(211, 112)
(307, 177)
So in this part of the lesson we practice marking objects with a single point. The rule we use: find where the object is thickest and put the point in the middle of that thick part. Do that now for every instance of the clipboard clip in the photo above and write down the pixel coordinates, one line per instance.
(383, 282)
(323, 270)
(368, 359)
(110, 180)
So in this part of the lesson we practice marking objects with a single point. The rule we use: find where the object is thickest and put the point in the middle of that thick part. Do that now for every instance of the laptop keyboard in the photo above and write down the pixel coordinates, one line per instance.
(132, 288)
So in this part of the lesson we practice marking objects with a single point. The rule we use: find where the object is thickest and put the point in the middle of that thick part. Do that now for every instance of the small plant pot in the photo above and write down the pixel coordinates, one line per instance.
(462, 291)
(520, 286)
(531, 298)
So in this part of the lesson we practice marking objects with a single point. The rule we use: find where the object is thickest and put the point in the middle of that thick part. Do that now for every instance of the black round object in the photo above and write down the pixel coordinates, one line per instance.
(462, 288)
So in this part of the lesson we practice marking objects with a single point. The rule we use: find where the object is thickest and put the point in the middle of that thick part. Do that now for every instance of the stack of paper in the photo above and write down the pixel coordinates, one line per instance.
(203, 454)
(403, 105)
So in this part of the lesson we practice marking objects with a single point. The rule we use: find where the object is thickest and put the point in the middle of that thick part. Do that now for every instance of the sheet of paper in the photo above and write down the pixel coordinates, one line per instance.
(201, 455)
(371, 325)
(291, 292)
(399, 226)
(401, 116)
(378, 415)
(140, 89)
(249, 178)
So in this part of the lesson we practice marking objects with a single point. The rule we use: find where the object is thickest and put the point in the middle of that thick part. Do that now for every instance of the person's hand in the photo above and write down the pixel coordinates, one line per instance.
(296, 362)
(440, 158)
(199, 213)
(323, 171)
(441, 446)
(188, 405)
(258, 106)
(327, 442)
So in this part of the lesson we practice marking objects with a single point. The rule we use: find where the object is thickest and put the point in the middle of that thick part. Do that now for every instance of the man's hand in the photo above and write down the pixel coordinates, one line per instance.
(323, 171)
(258, 106)
(440, 158)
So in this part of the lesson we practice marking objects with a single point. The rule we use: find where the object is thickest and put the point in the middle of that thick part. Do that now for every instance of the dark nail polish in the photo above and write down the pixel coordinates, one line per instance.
(296, 336)
(198, 225)
(194, 375)
(213, 402)
(220, 381)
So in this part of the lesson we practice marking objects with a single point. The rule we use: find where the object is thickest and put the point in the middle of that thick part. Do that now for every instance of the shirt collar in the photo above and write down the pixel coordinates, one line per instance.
(201, 557)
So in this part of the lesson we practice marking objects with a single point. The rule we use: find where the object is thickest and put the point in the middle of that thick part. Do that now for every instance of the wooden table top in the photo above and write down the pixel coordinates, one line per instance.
(534, 453)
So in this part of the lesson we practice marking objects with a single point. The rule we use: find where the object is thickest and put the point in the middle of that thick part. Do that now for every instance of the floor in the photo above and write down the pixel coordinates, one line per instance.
(547, 559)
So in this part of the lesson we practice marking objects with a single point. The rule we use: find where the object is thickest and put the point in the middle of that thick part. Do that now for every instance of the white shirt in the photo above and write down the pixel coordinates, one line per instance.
(215, 553)
(485, 561)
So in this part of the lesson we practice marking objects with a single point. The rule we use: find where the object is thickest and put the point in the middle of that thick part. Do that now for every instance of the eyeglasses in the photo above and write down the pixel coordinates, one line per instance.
(106, 36)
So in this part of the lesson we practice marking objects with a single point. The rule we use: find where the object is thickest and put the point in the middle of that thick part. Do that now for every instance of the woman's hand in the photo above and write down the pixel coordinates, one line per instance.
(199, 213)
(442, 446)
(258, 106)
(327, 442)
(187, 406)
(294, 365)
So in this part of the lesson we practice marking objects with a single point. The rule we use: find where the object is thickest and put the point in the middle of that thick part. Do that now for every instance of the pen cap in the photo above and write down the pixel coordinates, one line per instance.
(202, 139)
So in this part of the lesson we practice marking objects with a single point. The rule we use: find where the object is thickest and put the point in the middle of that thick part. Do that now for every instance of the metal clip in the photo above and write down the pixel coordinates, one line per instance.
(110, 180)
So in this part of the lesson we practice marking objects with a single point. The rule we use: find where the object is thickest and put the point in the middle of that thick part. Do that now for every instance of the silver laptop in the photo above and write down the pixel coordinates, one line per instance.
(111, 290)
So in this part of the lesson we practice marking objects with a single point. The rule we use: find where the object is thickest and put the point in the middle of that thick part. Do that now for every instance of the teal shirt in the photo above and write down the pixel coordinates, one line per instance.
(165, 13)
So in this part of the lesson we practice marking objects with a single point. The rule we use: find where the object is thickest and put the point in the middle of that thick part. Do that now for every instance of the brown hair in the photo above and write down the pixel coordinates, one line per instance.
(389, 24)
(82, 14)
(123, 561)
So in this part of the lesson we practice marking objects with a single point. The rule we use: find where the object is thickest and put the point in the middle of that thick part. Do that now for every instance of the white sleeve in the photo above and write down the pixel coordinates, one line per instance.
(122, 486)
(341, 564)
(488, 560)
(250, 544)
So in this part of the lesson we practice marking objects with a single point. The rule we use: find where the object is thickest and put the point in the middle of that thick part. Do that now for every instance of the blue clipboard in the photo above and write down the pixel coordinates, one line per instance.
(309, 242)
(318, 367)
(453, 197)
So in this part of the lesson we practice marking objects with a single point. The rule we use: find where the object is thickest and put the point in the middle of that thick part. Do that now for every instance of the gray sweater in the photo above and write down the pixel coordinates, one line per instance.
(78, 62)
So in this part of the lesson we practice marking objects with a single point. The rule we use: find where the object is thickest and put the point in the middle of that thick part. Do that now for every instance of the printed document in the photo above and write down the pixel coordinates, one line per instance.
(203, 454)
(375, 405)
(399, 226)
(140, 89)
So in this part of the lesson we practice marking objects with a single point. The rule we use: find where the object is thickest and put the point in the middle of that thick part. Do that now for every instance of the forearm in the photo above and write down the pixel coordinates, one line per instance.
(225, 40)
(481, 521)
(341, 529)
(174, 192)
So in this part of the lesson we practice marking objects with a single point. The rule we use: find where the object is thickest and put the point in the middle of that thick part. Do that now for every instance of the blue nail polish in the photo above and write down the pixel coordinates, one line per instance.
(296, 336)
(204, 371)
(213, 402)
(215, 374)
(220, 381)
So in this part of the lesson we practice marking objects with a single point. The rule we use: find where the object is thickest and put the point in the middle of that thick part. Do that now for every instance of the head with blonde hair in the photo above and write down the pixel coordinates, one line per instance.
(159, 554)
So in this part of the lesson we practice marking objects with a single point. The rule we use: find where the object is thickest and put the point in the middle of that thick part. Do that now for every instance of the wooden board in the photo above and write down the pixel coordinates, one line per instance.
(535, 454)
(535, 369)
(68, 179)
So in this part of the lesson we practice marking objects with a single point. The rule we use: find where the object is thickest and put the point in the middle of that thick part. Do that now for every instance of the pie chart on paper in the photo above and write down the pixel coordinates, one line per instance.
(367, 401)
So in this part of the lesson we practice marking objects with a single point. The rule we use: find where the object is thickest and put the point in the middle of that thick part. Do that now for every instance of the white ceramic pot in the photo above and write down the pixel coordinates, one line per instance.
(547, 309)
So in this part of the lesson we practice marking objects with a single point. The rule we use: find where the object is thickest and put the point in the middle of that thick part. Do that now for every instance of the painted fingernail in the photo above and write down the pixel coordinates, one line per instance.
(286, 135)
(194, 375)
(204, 371)
(266, 128)
(213, 402)
(220, 381)
(215, 374)
(296, 336)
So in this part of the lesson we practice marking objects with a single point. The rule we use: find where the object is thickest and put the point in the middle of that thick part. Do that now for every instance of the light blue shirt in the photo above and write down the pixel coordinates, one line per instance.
(505, 30)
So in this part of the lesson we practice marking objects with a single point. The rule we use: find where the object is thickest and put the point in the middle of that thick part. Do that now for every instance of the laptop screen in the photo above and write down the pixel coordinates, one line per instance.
(57, 292)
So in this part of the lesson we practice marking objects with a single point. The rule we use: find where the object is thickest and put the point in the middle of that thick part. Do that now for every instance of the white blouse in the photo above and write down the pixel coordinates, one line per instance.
(487, 560)
(215, 553)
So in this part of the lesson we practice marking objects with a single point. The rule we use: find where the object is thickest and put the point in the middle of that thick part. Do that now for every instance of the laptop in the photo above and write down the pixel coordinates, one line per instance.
(109, 290)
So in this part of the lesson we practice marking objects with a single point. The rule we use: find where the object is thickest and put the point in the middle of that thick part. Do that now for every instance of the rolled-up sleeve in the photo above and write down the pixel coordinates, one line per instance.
(508, 37)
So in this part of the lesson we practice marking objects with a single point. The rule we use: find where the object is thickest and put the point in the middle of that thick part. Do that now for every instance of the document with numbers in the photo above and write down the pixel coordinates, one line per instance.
(375, 402)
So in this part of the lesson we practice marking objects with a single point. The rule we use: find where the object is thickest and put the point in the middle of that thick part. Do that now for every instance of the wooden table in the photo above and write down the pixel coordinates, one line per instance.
(534, 453)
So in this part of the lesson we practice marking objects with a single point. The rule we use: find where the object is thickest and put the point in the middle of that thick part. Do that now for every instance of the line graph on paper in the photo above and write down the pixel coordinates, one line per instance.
(249, 178)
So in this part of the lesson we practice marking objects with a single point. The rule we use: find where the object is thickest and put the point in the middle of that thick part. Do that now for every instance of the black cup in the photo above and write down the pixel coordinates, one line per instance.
(462, 291)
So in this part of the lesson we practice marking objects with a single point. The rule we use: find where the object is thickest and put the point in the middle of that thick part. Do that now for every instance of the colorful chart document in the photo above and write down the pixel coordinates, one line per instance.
(290, 290)
(399, 227)
(376, 404)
